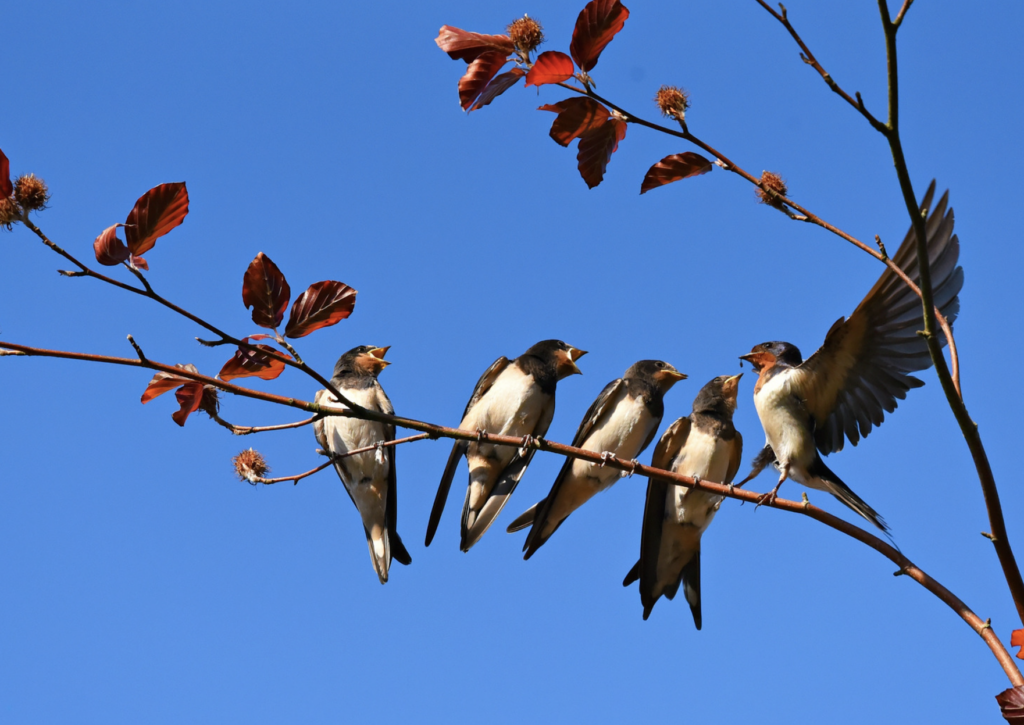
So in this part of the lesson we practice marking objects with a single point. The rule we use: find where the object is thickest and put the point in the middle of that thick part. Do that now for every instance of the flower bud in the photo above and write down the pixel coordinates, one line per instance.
(672, 101)
(526, 33)
(250, 466)
(31, 192)
(771, 184)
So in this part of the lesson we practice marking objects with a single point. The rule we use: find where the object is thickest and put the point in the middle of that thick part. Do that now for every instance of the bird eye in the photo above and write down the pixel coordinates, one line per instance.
(661, 364)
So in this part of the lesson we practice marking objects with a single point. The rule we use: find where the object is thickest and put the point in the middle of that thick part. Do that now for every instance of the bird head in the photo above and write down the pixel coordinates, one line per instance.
(769, 354)
(362, 360)
(661, 373)
(559, 354)
(718, 395)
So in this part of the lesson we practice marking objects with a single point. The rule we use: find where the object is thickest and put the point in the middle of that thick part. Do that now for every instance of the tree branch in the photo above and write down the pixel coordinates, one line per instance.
(968, 427)
(244, 430)
(430, 430)
(149, 293)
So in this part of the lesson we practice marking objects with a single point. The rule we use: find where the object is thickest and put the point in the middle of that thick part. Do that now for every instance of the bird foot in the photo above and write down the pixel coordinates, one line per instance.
(767, 498)
(632, 467)
(527, 442)
(379, 453)
(605, 457)
(696, 481)
(480, 433)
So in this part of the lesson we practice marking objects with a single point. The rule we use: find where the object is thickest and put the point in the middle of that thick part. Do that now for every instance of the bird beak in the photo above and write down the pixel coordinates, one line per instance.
(573, 355)
(731, 385)
(749, 357)
(378, 354)
(669, 377)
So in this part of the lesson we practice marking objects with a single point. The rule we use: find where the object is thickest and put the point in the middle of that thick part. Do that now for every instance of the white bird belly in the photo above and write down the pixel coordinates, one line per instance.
(512, 407)
(347, 434)
(785, 424)
(705, 457)
(623, 434)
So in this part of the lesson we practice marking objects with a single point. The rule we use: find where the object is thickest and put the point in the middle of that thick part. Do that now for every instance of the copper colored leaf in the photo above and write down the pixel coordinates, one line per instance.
(1017, 640)
(109, 249)
(550, 67)
(6, 187)
(498, 86)
(247, 363)
(596, 149)
(1011, 704)
(189, 397)
(673, 168)
(140, 263)
(323, 304)
(162, 382)
(576, 116)
(156, 212)
(467, 46)
(595, 27)
(266, 291)
(478, 75)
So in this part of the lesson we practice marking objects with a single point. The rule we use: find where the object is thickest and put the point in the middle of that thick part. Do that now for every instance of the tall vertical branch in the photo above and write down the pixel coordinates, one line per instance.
(968, 427)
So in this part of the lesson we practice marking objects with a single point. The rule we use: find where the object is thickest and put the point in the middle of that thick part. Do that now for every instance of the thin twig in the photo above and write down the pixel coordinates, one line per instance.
(244, 430)
(949, 380)
(808, 57)
(138, 350)
(899, 16)
(339, 456)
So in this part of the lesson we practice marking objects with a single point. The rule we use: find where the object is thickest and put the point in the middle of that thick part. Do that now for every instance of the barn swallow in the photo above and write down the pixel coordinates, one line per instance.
(809, 407)
(705, 446)
(512, 398)
(622, 422)
(370, 477)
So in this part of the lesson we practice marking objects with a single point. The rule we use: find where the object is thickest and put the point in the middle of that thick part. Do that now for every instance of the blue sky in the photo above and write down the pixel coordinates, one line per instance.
(143, 583)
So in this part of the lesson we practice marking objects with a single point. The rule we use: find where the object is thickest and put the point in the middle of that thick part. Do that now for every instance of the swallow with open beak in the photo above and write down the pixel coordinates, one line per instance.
(512, 398)
(369, 477)
(622, 422)
(808, 408)
(704, 446)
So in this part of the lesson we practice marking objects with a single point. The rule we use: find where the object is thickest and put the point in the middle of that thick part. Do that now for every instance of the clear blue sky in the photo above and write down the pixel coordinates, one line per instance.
(142, 582)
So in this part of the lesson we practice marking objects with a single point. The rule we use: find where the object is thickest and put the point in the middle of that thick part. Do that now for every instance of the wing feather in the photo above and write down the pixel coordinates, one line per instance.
(485, 382)
(863, 367)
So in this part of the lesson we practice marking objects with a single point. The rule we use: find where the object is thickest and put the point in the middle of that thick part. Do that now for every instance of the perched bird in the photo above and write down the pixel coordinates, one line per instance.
(622, 422)
(369, 477)
(512, 398)
(808, 407)
(705, 446)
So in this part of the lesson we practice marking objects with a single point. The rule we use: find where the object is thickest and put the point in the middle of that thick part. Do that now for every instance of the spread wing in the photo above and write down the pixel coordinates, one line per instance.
(485, 382)
(863, 368)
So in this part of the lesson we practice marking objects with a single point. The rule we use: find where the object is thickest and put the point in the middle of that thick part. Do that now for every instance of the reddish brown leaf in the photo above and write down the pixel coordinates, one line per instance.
(6, 187)
(266, 291)
(156, 212)
(109, 249)
(467, 46)
(595, 27)
(260, 336)
(576, 116)
(140, 263)
(1017, 640)
(498, 86)
(1011, 704)
(596, 149)
(550, 67)
(162, 382)
(253, 363)
(478, 75)
(673, 168)
(189, 397)
(323, 304)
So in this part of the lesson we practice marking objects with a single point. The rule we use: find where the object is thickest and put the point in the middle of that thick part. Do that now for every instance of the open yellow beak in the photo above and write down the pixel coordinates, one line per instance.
(575, 354)
(378, 353)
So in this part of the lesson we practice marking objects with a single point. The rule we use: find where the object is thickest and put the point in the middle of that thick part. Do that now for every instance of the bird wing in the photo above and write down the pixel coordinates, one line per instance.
(734, 458)
(485, 382)
(665, 453)
(459, 448)
(318, 424)
(397, 548)
(604, 403)
(862, 368)
(506, 482)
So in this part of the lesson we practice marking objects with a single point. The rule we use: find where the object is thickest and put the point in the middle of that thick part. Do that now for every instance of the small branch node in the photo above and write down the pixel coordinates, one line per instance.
(987, 624)
(807, 501)
(138, 350)
(70, 273)
(902, 571)
(881, 247)
(7, 353)
(989, 536)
